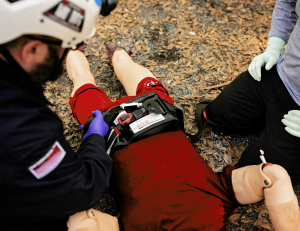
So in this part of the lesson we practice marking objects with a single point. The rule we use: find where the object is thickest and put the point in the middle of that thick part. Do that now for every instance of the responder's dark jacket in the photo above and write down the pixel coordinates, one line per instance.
(42, 180)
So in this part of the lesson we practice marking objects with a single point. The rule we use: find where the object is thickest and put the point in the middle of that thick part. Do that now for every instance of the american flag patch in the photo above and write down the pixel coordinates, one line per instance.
(48, 162)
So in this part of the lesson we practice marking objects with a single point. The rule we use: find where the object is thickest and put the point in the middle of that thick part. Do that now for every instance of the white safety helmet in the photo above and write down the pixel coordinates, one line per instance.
(70, 21)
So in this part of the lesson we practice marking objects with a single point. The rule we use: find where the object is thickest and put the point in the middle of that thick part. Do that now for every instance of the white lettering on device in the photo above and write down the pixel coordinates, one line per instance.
(146, 121)
(48, 162)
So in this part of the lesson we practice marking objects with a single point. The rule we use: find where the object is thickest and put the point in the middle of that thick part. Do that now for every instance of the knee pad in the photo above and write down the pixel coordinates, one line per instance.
(249, 183)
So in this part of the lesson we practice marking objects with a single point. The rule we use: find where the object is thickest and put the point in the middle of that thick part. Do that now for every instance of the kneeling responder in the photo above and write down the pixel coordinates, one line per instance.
(42, 180)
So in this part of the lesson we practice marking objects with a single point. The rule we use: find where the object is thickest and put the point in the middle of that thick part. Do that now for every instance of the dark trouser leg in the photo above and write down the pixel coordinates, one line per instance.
(242, 104)
(246, 104)
(279, 146)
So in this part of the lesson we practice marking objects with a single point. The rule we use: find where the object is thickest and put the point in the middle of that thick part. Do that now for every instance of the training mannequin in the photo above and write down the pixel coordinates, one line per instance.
(161, 182)
(249, 187)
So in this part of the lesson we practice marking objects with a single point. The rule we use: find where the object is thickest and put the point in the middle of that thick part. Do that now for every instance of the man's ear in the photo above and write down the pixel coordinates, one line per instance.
(34, 52)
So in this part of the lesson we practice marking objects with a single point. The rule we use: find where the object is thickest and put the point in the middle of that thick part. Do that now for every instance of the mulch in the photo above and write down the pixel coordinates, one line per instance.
(196, 48)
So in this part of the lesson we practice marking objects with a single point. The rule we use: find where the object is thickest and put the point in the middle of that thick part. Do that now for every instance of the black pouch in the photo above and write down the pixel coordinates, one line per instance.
(151, 104)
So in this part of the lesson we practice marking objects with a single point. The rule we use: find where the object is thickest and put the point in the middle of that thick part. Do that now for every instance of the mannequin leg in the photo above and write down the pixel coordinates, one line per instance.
(78, 69)
(253, 183)
(105, 221)
(92, 220)
(281, 200)
(128, 72)
(249, 182)
(81, 221)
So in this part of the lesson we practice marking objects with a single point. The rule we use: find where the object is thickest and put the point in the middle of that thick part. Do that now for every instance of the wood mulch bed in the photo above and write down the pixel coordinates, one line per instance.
(195, 48)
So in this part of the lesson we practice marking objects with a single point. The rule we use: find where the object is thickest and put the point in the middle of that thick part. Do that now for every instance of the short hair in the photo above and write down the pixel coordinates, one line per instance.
(17, 43)
(21, 41)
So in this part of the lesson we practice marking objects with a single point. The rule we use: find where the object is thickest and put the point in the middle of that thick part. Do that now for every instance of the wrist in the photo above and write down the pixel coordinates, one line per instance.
(275, 45)
(88, 134)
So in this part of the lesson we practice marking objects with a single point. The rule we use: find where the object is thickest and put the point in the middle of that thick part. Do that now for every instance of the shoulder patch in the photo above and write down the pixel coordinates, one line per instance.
(48, 162)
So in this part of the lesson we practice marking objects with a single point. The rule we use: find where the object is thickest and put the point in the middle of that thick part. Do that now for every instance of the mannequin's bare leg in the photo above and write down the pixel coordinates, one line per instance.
(81, 221)
(249, 182)
(128, 72)
(78, 69)
(281, 200)
(252, 183)
(92, 220)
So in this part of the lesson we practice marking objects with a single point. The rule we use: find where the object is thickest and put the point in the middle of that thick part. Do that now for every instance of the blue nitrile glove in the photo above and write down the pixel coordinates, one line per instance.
(270, 57)
(98, 125)
(292, 122)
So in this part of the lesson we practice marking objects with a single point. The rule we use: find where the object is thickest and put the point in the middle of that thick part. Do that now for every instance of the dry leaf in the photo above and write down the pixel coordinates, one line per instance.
(263, 223)
(234, 217)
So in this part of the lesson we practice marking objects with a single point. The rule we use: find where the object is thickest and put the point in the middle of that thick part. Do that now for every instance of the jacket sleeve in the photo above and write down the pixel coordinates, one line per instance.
(284, 19)
(43, 184)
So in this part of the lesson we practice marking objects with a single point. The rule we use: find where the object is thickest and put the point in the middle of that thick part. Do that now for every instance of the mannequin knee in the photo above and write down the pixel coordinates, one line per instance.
(276, 173)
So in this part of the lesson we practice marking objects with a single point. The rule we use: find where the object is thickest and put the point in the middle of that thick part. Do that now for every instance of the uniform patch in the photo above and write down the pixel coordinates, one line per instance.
(48, 162)
(67, 14)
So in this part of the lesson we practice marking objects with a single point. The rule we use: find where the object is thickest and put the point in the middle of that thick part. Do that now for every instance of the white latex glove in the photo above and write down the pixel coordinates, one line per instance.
(292, 122)
(270, 57)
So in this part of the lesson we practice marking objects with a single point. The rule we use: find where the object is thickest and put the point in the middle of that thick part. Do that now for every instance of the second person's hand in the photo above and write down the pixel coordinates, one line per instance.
(292, 122)
(270, 57)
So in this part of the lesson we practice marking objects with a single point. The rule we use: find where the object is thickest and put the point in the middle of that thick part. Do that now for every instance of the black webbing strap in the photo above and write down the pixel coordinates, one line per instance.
(199, 119)
(139, 135)
(152, 103)
(179, 114)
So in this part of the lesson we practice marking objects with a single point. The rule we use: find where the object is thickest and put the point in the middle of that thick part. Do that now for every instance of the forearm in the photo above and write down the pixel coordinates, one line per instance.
(284, 19)
(97, 168)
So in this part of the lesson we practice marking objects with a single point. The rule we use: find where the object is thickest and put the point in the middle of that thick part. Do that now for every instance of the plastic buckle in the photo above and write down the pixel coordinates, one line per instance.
(133, 104)
(125, 119)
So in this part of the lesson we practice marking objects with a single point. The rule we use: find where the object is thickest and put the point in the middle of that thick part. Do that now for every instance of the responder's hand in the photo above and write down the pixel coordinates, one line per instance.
(105, 222)
(80, 221)
(270, 57)
(98, 125)
(292, 122)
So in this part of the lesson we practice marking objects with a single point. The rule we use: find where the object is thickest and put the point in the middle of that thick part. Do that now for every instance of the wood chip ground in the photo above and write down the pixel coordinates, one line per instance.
(196, 48)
